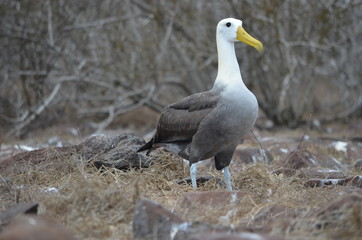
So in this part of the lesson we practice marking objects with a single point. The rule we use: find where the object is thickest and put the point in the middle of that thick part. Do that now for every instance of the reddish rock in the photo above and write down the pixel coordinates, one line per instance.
(355, 181)
(321, 173)
(21, 161)
(327, 161)
(251, 155)
(302, 158)
(20, 208)
(32, 227)
(354, 151)
(212, 198)
(232, 236)
(310, 173)
(186, 231)
(358, 164)
(279, 147)
(152, 221)
(263, 217)
(344, 202)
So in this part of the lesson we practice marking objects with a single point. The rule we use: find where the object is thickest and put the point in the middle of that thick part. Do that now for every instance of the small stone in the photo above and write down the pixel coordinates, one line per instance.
(355, 181)
(347, 201)
(20, 208)
(150, 219)
(233, 236)
(339, 146)
(251, 155)
(268, 214)
(300, 159)
(323, 173)
(33, 227)
(358, 164)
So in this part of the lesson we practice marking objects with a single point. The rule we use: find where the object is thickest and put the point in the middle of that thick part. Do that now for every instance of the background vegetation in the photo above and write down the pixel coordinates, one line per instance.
(89, 62)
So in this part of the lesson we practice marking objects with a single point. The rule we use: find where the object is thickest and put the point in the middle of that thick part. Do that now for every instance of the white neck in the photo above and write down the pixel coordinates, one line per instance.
(228, 68)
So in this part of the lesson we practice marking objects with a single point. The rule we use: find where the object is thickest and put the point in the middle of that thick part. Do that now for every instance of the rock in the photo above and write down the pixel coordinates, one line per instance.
(354, 151)
(251, 155)
(279, 147)
(358, 164)
(343, 202)
(152, 221)
(355, 181)
(20, 208)
(357, 191)
(20, 162)
(232, 236)
(188, 231)
(310, 173)
(32, 227)
(261, 220)
(302, 158)
(321, 173)
(342, 215)
(327, 161)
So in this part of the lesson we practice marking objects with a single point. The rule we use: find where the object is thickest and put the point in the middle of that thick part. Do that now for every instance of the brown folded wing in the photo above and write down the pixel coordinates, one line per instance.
(180, 121)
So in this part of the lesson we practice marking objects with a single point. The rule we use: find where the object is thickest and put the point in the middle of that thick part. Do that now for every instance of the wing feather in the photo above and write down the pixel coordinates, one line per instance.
(180, 121)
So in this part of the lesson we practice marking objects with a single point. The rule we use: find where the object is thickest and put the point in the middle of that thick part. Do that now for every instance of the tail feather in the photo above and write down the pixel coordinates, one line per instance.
(147, 146)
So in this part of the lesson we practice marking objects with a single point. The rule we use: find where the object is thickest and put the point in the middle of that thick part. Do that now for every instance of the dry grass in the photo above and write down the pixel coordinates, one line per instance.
(98, 204)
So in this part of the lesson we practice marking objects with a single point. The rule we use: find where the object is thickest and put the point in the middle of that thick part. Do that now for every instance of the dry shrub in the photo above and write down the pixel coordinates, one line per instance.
(99, 203)
(94, 203)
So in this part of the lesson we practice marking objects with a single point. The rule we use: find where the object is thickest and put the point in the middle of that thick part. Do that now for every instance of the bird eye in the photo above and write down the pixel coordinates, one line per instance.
(228, 24)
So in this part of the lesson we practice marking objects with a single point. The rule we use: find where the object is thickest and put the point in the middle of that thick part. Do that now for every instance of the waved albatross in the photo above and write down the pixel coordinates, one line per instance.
(212, 123)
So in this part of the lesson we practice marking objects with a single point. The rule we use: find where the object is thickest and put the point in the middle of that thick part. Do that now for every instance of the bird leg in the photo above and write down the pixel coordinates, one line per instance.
(193, 171)
(227, 177)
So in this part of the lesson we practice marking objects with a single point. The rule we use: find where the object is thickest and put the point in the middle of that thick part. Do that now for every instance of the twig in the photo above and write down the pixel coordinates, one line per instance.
(97, 23)
(262, 150)
(305, 131)
(50, 25)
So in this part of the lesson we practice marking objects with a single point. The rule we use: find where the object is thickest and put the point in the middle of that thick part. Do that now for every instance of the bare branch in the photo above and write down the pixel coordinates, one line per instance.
(37, 112)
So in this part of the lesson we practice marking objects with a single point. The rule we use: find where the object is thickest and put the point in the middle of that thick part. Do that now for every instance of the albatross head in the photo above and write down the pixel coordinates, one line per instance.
(231, 29)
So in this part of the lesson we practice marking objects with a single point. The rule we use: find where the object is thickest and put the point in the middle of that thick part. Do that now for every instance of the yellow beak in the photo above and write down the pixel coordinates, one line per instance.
(244, 37)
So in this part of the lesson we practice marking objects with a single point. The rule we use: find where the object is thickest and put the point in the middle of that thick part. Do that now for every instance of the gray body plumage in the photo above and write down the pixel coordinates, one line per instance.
(207, 124)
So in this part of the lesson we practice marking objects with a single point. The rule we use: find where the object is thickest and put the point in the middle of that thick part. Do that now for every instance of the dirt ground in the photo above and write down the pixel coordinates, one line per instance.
(99, 204)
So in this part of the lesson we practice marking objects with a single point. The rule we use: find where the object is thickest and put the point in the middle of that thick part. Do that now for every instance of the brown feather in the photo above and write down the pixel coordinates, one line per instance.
(180, 121)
